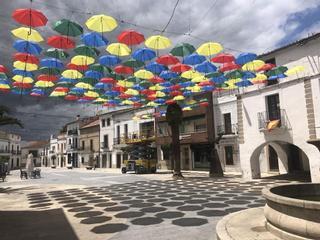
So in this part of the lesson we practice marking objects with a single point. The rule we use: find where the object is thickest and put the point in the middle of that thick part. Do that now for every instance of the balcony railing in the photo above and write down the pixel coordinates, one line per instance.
(133, 138)
(166, 132)
(265, 120)
(231, 129)
(5, 151)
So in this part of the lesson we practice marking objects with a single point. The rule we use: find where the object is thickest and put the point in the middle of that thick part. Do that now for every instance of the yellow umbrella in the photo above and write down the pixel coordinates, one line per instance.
(158, 42)
(100, 100)
(195, 89)
(233, 81)
(101, 23)
(186, 109)
(160, 94)
(82, 60)
(127, 102)
(156, 87)
(73, 74)
(253, 66)
(199, 79)
(118, 49)
(178, 98)
(84, 85)
(44, 84)
(294, 70)
(209, 48)
(27, 34)
(191, 102)
(25, 66)
(22, 79)
(4, 86)
(260, 78)
(126, 84)
(152, 104)
(58, 94)
(191, 74)
(143, 74)
(132, 92)
(91, 94)
(230, 86)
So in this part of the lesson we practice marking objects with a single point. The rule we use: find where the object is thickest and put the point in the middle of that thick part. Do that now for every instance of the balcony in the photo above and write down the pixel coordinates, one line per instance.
(134, 137)
(5, 151)
(231, 129)
(72, 132)
(267, 123)
(71, 147)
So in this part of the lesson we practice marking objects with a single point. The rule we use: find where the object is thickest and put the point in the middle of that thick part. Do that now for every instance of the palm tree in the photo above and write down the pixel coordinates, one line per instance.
(5, 119)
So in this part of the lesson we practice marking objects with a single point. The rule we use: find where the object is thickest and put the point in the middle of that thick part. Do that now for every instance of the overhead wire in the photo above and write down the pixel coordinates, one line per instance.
(171, 17)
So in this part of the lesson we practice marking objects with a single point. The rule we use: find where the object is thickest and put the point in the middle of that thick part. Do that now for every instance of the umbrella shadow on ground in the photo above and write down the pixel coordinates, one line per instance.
(18, 225)
(9, 190)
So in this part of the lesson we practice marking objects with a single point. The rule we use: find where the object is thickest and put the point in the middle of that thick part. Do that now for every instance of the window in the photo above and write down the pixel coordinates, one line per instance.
(82, 160)
(228, 155)
(227, 123)
(273, 107)
(108, 121)
(106, 141)
(275, 81)
(83, 144)
(103, 122)
(91, 144)
(126, 131)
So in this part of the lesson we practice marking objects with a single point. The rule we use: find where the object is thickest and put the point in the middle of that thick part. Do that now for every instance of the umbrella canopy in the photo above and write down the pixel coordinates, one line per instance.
(25, 66)
(144, 54)
(101, 23)
(253, 65)
(194, 59)
(223, 58)
(22, 79)
(25, 57)
(244, 58)
(229, 66)
(155, 67)
(266, 67)
(130, 37)
(51, 63)
(123, 69)
(82, 60)
(27, 47)
(60, 42)
(73, 74)
(56, 53)
(68, 28)
(277, 71)
(143, 74)
(94, 39)
(158, 42)
(27, 34)
(86, 51)
(50, 71)
(209, 48)
(3, 69)
(182, 50)
(44, 84)
(133, 63)
(191, 74)
(29, 17)
(179, 68)
(119, 49)
(81, 68)
(109, 60)
(44, 77)
(206, 67)
(167, 60)
(22, 72)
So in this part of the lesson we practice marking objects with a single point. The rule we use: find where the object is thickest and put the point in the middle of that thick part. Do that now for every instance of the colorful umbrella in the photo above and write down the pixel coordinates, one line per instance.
(179, 68)
(244, 58)
(143, 74)
(223, 58)
(22, 79)
(109, 60)
(209, 48)
(101, 23)
(206, 67)
(182, 50)
(94, 39)
(144, 54)
(123, 69)
(158, 42)
(167, 60)
(56, 53)
(130, 37)
(86, 51)
(25, 66)
(68, 28)
(60, 42)
(253, 65)
(119, 49)
(29, 17)
(73, 74)
(27, 47)
(133, 63)
(194, 59)
(25, 57)
(27, 34)
(82, 60)
(3, 69)
(51, 63)
(155, 67)
(229, 66)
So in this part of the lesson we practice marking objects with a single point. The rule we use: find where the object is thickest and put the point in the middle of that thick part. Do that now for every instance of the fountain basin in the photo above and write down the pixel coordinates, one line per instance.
(292, 211)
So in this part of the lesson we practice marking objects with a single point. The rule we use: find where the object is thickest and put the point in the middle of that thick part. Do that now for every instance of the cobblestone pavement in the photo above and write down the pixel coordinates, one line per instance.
(148, 209)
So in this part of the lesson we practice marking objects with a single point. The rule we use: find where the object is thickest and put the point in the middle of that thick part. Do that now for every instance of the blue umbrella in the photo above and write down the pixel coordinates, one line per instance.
(134, 99)
(160, 101)
(77, 91)
(22, 73)
(166, 90)
(219, 80)
(109, 60)
(194, 59)
(206, 67)
(168, 74)
(277, 76)
(38, 91)
(186, 84)
(93, 74)
(4, 81)
(166, 84)
(138, 87)
(27, 47)
(207, 88)
(94, 39)
(67, 80)
(155, 67)
(244, 58)
(83, 100)
(51, 63)
(248, 74)
(244, 83)
(100, 85)
(20, 91)
(111, 93)
(187, 93)
(144, 54)
(114, 101)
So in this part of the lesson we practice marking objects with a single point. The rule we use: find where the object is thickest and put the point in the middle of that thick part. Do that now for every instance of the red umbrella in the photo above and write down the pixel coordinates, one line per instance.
(60, 42)
(87, 98)
(137, 105)
(147, 92)
(167, 60)
(71, 97)
(156, 79)
(109, 105)
(204, 104)
(151, 97)
(124, 96)
(179, 68)
(108, 80)
(266, 67)
(33, 94)
(205, 83)
(25, 57)
(22, 85)
(175, 87)
(120, 69)
(229, 66)
(170, 101)
(77, 67)
(48, 78)
(29, 17)
(61, 89)
(130, 37)
(3, 69)
(223, 58)
(119, 89)
(175, 93)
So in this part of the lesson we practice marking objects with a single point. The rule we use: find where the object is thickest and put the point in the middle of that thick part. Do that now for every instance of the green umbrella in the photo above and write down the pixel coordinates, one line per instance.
(68, 28)
(277, 70)
(213, 74)
(115, 76)
(182, 49)
(133, 79)
(56, 53)
(234, 74)
(49, 71)
(133, 63)
(89, 80)
(86, 51)
(3, 76)
(145, 83)
(100, 68)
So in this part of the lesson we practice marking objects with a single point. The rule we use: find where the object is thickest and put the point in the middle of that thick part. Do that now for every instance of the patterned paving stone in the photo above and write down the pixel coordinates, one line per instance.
(80, 209)
(215, 205)
(72, 205)
(190, 208)
(170, 214)
(157, 200)
(189, 222)
(212, 213)
(237, 202)
(141, 205)
(95, 220)
(41, 205)
(131, 214)
(110, 228)
(153, 209)
(106, 204)
(235, 209)
(146, 221)
(116, 208)
(172, 204)
(88, 214)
